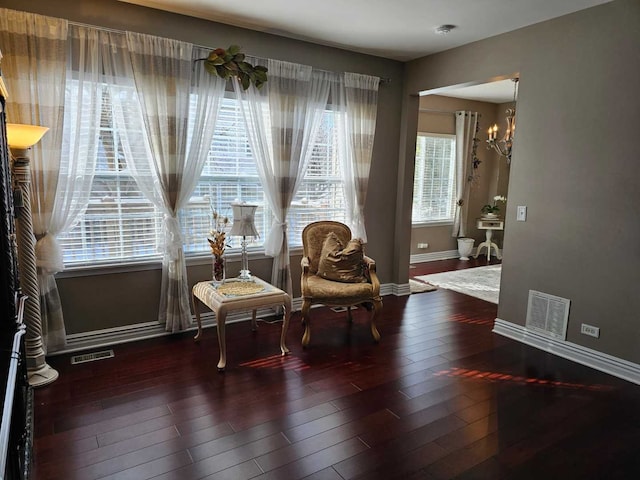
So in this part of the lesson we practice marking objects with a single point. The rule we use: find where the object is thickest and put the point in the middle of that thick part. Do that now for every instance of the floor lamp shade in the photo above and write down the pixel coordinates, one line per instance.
(244, 226)
(21, 137)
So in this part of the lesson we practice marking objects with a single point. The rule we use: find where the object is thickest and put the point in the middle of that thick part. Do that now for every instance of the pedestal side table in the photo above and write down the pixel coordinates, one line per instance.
(489, 225)
(212, 295)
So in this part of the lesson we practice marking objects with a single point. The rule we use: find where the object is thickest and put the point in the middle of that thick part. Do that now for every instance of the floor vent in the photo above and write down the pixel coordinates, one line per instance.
(548, 314)
(91, 357)
(342, 309)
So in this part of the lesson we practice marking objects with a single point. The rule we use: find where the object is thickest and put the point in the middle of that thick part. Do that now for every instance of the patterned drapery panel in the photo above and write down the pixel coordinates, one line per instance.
(35, 70)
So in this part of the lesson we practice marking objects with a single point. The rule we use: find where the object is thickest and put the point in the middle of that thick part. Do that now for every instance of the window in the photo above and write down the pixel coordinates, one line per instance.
(434, 179)
(121, 226)
(119, 222)
(231, 173)
(321, 193)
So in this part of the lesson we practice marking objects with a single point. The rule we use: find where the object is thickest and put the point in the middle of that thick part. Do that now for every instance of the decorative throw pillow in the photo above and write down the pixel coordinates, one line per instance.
(341, 263)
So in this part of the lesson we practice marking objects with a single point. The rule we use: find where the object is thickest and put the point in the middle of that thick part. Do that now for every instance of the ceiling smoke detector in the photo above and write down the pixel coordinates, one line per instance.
(444, 29)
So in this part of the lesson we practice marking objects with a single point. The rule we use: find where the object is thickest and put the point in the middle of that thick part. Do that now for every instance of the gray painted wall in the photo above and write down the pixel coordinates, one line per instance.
(575, 165)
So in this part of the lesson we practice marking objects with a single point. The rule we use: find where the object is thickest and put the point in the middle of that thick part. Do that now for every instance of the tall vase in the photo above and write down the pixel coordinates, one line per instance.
(219, 268)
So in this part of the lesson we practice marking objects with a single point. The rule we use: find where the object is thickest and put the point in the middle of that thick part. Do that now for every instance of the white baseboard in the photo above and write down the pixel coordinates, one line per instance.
(432, 257)
(397, 289)
(141, 331)
(591, 358)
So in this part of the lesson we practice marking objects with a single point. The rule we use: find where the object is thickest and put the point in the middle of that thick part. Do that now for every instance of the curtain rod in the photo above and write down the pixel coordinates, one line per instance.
(384, 80)
(444, 112)
(431, 110)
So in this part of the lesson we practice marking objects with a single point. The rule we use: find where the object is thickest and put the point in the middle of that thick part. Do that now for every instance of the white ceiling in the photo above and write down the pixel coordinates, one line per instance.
(399, 29)
(501, 91)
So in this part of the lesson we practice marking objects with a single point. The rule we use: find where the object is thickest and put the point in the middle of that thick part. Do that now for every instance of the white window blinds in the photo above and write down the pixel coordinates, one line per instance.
(121, 226)
(119, 223)
(434, 179)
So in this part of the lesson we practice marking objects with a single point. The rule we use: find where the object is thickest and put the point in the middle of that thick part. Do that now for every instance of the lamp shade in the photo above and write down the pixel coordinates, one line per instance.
(24, 136)
(243, 218)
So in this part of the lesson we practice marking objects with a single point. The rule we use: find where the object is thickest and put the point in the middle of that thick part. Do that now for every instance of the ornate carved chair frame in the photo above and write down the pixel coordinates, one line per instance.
(318, 290)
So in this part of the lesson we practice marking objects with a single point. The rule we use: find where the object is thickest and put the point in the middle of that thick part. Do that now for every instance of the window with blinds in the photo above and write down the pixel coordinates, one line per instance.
(321, 193)
(434, 179)
(119, 223)
(231, 174)
(121, 226)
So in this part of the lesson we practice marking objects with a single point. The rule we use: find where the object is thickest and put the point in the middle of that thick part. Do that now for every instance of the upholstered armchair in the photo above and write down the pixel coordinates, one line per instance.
(336, 273)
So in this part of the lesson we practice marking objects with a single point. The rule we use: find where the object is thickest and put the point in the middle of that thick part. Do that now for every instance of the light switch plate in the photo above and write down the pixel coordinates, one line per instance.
(521, 216)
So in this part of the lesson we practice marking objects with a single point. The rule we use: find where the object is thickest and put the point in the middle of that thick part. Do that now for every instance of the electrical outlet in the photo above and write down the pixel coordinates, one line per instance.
(590, 330)
(423, 245)
(521, 215)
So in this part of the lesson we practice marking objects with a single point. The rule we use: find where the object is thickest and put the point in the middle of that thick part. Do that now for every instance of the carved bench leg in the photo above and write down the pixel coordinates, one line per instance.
(196, 309)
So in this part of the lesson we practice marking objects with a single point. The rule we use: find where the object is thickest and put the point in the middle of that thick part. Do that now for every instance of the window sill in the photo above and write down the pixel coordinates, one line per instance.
(109, 268)
(439, 223)
(156, 264)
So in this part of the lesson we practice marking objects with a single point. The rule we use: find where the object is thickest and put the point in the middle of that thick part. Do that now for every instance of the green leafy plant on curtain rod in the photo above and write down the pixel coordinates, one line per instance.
(231, 63)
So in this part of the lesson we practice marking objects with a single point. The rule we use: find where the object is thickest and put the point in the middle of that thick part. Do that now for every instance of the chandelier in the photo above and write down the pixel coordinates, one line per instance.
(503, 146)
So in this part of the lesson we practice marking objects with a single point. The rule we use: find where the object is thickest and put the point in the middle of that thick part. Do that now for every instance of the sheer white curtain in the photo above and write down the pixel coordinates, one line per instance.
(361, 106)
(163, 70)
(34, 68)
(466, 123)
(282, 120)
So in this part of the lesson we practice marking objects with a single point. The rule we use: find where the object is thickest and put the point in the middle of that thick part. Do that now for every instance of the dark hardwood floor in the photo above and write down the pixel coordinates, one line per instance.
(440, 397)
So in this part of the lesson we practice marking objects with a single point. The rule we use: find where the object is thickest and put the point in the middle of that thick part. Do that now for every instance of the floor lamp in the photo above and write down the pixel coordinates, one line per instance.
(243, 226)
(20, 139)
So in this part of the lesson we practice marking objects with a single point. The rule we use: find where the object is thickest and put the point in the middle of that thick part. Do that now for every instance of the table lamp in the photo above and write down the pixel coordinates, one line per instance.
(243, 226)
(20, 139)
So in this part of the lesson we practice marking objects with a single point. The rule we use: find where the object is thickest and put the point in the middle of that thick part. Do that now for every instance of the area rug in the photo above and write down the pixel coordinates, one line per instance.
(479, 282)
(418, 287)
